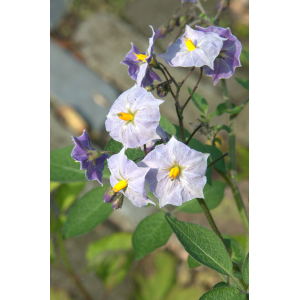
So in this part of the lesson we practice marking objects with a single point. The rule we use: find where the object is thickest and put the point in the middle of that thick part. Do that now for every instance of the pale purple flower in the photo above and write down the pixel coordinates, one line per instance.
(229, 56)
(138, 63)
(163, 137)
(177, 173)
(134, 117)
(194, 49)
(128, 179)
(90, 159)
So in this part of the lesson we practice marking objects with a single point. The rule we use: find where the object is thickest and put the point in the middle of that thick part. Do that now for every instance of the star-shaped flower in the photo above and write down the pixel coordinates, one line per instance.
(229, 56)
(177, 173)
(138, 64)
(90, 159)
(128, 179)
(194, 49)
(134, 117)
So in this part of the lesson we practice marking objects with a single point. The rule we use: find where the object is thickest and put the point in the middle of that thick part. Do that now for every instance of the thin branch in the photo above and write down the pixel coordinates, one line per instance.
(183, 81)
(226, 154)
(193, 133)
(168, 74)
(201, 8)
(169, 86)
(145, 149)
(195, 87)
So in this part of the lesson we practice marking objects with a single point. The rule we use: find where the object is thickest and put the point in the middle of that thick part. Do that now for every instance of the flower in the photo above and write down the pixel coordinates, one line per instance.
(128, 179)
(134, 117)
(194, 49)
(177, 173)
(138, 64)
(229, 56)
(163, 137)
(90, 159)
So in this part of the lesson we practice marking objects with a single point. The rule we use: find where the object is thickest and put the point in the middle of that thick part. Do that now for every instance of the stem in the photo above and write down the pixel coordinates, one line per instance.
(169, 86)
(226, 154)
(201, 8)
(145, 149)
(183, 81)
(193, 133)
(70, 271)
(180, 119)
(195, 87)
(212, 222)
(168, 74)
(238, 199)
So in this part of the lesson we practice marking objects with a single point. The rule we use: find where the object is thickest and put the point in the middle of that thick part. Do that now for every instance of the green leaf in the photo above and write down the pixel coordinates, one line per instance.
(151, 233)
(219, 141)
(167, 126)
(192, 262)
(53, 185)
(203, 245)
(111, 257)
(245, 269)
(237, 274)
(199, 102)
(243, 82)
(221, 108)
(223, 293)
(237, 251)
(246, 54)
(67, 194)
(236, 110)
(116, 147)
(220, 284)
(63, 167)
(119, 241)
(220, 127)
(178, 135)
(213, 197)
(88, 212)
(211, 115)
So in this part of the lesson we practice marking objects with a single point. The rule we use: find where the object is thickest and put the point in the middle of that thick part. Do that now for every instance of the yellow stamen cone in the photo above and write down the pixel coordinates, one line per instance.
(125, 116)
(120, 185)
(141, 57)
(189, 44)
(174, 173)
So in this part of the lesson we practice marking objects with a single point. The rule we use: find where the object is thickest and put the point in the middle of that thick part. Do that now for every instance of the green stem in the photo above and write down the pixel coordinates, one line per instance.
(238, 199)
(71, 273)
(180, 120)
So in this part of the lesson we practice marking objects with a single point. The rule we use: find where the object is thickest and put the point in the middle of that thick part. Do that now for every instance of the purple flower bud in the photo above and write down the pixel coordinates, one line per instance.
(162, 89)
(182, 21)
(225, 4)
(109, 195)
(162, 31)
(172, 23)
(117, 201)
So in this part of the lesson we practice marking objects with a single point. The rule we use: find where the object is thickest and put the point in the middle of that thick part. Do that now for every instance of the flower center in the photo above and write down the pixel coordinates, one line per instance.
(141, 57)
(174, 173)
(120, 185)
(125, 116)
(189, 44)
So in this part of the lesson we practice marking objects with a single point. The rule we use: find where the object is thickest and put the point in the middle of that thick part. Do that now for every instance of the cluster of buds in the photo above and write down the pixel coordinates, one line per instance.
(115, 198)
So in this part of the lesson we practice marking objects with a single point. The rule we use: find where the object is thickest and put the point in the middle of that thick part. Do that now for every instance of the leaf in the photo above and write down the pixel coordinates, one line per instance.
(63, 167)
(211, 115)
(220, 284)
(221, 108)
(246, 54)
(88, 212)
(199, 102)
(178, 134)
(220, 127)
(237, 274)
(111, 257)
(218, 140)
(116, 147)
(67, 194)
(245, 269)
(236, 110)
(192, 262)
(213, 197)
(202, 244)
(243, 82)
(237, 251)
(223, 293)
(53, 185)
(183, 293)
(167, 126)
(151, 233)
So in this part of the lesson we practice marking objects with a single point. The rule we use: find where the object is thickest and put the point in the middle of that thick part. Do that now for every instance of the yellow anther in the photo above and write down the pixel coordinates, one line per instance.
(125, 116)
(189, 44)
(174, 173)
(120, 185)
(141, 57)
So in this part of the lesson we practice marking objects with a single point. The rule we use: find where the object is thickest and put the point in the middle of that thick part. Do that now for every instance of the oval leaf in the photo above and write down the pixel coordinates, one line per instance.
(243, 82)
(220, 284)
(151, 233)
(88, 212)
(223, 293)
(202, 244)
(213, 197)
(245, 269)
(192, 263)
(63, 167)
(167, 126)
(237, 251)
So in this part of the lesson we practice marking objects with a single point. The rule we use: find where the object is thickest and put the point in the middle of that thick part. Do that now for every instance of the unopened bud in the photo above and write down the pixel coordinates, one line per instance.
(162, 31)
(109, 195)
(117, 201)
(182, 21)
(162, 89)
(225, 4)
(172, 23)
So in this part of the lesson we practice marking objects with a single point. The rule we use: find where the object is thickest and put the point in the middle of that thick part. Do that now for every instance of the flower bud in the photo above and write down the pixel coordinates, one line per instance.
(117, 201)
(162, 89)
(225, 4)
(172, 23)
(162, 31)
(182, 21)
(109, 195)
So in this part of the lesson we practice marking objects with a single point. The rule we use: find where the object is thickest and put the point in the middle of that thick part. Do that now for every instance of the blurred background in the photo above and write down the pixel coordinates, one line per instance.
(88, 40)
